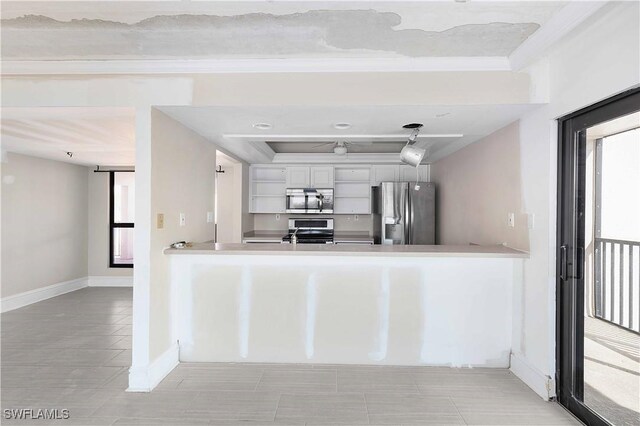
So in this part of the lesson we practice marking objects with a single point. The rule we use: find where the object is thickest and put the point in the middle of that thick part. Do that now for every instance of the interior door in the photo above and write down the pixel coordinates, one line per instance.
(593, 362)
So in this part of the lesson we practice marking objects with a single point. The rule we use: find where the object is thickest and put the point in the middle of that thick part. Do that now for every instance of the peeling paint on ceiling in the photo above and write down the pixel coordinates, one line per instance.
(316, 33)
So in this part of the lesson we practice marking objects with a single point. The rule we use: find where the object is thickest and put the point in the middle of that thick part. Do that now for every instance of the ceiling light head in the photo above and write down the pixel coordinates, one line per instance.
(340, 148)
(415, 127)
(262, 126)
(412, 155)
(342, 126)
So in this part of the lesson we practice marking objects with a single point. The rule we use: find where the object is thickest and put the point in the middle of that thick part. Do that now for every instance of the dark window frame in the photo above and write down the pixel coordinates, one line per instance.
(570, 248)
(112, 224)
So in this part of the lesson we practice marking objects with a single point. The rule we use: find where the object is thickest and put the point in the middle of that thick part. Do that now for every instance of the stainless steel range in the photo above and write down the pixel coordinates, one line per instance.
(309, 231)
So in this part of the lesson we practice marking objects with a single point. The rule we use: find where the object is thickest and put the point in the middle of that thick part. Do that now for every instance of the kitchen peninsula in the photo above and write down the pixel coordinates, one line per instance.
(345, 304)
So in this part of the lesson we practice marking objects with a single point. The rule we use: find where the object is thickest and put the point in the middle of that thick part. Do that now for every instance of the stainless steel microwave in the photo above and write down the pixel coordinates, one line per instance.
(309, 200)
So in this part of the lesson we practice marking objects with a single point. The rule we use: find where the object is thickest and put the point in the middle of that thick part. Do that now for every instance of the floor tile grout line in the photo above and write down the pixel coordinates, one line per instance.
(275, 415)
(458, 410)
(255, 389)
(366, 406)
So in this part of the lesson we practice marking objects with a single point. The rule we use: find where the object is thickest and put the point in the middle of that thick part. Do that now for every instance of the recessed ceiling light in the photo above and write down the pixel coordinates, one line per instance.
(342, 126)
(262, 126)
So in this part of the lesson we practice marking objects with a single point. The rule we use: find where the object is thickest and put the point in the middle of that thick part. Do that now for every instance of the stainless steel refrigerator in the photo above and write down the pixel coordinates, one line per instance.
(405, 213)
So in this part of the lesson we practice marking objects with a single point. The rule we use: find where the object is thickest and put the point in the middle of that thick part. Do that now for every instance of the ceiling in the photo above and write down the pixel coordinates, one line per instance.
(296, 130)
(94, 136)
(285, 29)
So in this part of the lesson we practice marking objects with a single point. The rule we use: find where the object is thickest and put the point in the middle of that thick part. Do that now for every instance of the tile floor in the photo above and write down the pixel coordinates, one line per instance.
(612, 371)
(73, 352)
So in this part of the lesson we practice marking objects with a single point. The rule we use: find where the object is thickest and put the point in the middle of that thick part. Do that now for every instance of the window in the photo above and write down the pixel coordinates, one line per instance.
(121, 219)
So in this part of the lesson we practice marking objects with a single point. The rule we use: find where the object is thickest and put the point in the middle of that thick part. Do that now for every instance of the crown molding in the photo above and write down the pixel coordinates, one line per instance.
(560, 24)
(212, 66)
(333, 137)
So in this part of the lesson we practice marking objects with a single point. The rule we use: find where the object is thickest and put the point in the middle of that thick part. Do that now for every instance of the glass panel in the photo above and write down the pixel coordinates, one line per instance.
(123, 246)
(612, 271)
(124, 197)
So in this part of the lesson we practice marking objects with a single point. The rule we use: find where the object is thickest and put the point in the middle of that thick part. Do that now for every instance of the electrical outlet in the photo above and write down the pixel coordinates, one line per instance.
(183, 219)
(511, 220)
(277, 216)
(210, 217)
(160, 221)
(356, 217)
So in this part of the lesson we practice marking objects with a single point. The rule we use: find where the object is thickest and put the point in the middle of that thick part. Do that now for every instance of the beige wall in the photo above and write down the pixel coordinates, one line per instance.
(182, 181)
(477, 187)
(99, 227)
(44, 223)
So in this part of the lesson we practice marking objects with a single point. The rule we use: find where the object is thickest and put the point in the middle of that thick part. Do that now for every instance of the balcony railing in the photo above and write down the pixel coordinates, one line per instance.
(617, 282)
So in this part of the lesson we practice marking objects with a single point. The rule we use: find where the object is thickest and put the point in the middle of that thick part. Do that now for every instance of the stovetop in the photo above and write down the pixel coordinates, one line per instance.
(310, 236)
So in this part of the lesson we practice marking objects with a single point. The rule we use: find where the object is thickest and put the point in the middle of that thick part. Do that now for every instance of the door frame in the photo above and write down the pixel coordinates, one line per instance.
(570, 239)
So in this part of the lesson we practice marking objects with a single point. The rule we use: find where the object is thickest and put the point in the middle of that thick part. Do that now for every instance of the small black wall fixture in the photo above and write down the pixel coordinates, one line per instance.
(219, 170)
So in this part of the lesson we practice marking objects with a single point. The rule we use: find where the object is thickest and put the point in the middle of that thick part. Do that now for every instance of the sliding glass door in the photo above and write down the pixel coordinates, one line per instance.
(598, 262)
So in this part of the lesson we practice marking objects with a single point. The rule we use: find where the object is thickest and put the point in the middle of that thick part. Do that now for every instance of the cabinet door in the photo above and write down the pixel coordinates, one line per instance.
(298, 177)
(384, 174)
(322, 177)
(408, 173)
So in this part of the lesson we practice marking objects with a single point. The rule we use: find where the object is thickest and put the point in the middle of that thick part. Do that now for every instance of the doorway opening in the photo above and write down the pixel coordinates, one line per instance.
(598, 287)
(228, 199)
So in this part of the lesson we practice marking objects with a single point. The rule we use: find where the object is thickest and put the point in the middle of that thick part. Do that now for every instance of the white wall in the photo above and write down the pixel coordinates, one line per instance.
(182, 181)
(597, 60)
(477, 187)
(44, 223)
(98, 234)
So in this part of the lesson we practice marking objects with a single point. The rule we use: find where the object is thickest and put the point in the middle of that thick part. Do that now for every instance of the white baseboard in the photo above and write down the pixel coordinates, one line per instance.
(144, 379)
(16, 301)
(541, 384)
(106, 281)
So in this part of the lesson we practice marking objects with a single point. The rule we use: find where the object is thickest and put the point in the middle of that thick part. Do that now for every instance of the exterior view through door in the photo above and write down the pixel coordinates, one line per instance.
(605, 285)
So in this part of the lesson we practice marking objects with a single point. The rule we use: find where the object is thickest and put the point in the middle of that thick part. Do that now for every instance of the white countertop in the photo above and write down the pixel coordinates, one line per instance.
(351, 250)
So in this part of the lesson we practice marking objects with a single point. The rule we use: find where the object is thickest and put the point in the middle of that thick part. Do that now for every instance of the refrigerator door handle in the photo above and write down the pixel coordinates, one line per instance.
(407, 219)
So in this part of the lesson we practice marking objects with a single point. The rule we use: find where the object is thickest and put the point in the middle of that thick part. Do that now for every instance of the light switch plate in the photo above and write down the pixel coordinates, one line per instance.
(160, 221)
(183, 219)
(210, 217)
(511, 220)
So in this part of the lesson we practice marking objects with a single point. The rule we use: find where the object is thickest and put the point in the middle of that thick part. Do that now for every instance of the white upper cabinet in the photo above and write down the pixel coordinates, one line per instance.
(352, 190)
(321, 176)
(384, 173)
(310, 177)
(298, 177)
(267, 185)
(409, 174)
(352, 183)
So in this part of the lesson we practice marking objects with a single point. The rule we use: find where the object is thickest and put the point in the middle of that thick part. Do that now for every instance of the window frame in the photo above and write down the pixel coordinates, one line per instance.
(112, 224)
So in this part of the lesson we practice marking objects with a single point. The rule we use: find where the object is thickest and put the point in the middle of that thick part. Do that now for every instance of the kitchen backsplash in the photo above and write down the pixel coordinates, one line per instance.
(268, 222)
